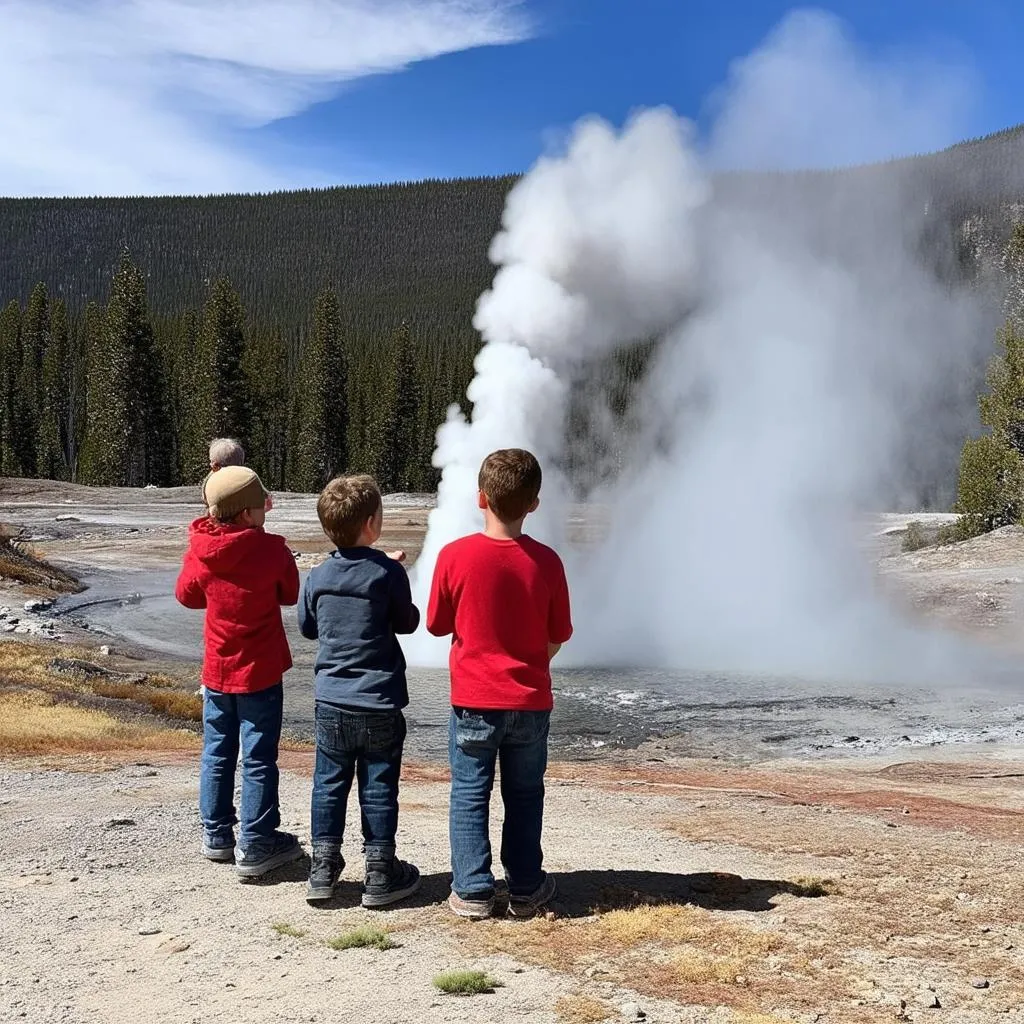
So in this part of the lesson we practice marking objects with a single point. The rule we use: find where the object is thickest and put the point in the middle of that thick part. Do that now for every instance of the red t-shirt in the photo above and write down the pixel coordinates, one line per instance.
(503, 602)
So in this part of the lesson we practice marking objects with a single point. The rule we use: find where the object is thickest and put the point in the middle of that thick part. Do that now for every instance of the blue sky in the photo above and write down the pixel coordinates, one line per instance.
(492, 110)
(182, 96)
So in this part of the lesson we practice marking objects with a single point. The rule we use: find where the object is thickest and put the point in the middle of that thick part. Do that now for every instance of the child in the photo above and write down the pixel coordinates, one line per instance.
(504, 599)
(355, 603)
(241, 576)
(226, 451)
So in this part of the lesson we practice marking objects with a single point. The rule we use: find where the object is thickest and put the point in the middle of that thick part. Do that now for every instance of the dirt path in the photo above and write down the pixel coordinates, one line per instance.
(108, 913)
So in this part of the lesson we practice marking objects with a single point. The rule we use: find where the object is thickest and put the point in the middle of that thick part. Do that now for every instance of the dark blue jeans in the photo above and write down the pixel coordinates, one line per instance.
(252, 720)
(362, 745)
(478, 741)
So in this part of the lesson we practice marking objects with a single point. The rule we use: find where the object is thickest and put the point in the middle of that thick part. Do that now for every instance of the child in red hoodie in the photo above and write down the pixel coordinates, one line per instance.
(241, 576)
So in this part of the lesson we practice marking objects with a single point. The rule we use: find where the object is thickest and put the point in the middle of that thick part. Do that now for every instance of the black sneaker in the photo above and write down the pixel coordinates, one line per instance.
(264, 856)
(388, 880)
(328, 864)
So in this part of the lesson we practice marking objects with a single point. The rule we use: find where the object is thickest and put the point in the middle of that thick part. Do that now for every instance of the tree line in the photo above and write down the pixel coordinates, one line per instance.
(117, 396)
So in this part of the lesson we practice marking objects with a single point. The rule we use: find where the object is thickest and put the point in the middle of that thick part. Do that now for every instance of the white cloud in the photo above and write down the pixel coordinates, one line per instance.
(118, 97)
(809, 96)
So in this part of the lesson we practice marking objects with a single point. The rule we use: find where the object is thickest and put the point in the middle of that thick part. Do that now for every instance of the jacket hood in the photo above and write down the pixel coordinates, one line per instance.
(222, 546)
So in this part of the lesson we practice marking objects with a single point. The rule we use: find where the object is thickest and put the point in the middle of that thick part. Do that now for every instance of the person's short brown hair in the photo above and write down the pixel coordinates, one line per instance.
(345, 505)
(510, 478)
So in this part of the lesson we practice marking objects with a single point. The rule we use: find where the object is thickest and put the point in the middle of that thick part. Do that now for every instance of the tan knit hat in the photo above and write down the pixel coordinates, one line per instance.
(233, 489)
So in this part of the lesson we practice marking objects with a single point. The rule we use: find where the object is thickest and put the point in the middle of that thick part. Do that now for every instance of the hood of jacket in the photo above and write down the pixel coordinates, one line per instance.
(223, 546)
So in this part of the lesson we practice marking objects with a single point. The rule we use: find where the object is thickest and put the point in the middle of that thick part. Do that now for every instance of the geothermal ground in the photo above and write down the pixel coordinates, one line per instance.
(751, 889)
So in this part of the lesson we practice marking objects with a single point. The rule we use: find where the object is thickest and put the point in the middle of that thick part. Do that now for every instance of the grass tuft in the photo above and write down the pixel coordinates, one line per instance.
(366, 937)
(812, 888)
(581, 1009)
(695, 967)
(465, 983)
(289, 930)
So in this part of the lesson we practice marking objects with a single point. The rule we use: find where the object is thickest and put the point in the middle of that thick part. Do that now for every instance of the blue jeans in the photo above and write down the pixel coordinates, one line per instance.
(477, 742)
(363, 745)
(255, 720)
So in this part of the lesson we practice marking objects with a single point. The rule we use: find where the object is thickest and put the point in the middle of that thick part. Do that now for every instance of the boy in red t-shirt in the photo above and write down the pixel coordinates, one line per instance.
(241, 576)
(504, 599)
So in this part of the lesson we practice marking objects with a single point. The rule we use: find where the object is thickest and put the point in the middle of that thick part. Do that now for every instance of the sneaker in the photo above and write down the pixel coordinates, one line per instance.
(388, 880)
(217, 849)
(265, 855)
(327, 865)
(528, 906)
(476, 908)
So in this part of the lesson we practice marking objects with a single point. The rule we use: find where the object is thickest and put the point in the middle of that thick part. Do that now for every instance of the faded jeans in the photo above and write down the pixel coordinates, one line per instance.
(250, 722)
(357, 745)
(479, 742)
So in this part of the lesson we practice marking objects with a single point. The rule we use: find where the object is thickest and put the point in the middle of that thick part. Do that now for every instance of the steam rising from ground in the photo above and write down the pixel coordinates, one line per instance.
(801, 345)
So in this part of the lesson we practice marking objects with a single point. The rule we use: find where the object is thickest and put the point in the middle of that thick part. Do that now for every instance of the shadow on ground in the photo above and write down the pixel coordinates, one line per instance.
(584, 893)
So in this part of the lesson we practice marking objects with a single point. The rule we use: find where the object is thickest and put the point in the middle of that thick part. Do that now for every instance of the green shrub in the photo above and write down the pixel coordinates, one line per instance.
(915, 537)
(369, 936)
(465, 983)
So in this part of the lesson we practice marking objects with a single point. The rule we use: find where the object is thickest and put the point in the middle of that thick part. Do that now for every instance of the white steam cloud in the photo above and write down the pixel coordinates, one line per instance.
(801, 343)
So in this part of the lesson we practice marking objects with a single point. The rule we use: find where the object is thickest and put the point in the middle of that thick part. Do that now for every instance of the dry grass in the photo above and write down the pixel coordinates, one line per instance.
(168, 701)
(694, 967)
(286, 930)
(27, 664)
(581, 1009)
(20, 563)
(34, 722)
(813, 888)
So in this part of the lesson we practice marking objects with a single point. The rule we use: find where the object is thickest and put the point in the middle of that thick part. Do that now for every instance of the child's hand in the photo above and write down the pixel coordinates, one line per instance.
(398, 556)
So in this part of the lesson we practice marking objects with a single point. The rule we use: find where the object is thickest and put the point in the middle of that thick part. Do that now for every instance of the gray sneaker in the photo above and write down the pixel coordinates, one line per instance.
(528, 906)
(264, 856)
(477, 908)
(218, 850)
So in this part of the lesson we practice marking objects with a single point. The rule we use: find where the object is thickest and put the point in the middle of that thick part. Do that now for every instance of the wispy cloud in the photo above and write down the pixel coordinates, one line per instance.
(118, 97)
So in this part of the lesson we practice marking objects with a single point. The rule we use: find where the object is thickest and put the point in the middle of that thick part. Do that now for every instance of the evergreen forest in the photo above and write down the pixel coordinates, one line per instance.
(331, 329)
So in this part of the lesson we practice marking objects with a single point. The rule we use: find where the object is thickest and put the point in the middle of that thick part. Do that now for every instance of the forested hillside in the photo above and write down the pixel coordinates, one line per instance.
(331, 328)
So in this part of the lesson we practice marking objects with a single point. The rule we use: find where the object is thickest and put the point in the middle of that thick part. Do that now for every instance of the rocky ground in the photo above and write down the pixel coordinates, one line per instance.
(690, 893)
(843, 891)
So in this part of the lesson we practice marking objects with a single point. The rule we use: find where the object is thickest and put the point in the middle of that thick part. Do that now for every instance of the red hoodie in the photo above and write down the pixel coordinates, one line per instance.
(241, 576)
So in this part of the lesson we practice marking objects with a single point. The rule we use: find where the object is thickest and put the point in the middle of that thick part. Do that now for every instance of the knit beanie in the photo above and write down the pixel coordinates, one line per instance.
(232, 490)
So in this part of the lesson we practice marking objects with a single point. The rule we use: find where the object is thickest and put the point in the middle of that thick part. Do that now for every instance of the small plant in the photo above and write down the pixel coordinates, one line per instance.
(369, 936)
(813, 888)
(283, 928)
(915, 537)
(581, 1009)
(465, 983)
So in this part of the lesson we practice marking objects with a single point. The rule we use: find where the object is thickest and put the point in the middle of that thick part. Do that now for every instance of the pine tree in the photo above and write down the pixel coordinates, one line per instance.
(35, 338)
(990, 492)
(192, 399)
(57, 373)
(128, 437)
(266, 370)
(223, 345)
(395, 440)
(319, 415)
(10, 362)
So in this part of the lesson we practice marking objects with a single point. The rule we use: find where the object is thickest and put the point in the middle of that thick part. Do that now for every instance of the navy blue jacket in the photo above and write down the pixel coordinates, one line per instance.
(354, 604)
